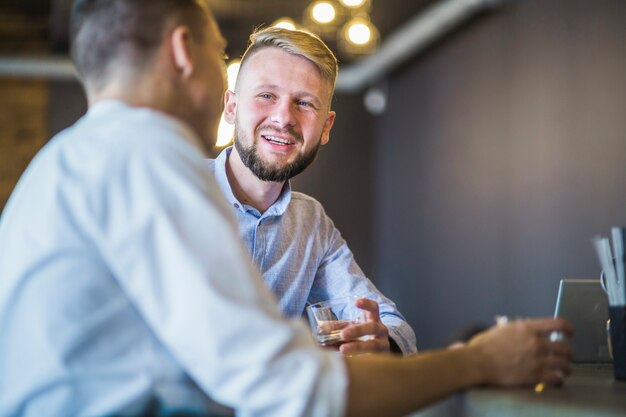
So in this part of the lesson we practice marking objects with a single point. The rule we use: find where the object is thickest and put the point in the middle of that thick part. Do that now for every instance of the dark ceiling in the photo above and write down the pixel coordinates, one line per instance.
(47, 20)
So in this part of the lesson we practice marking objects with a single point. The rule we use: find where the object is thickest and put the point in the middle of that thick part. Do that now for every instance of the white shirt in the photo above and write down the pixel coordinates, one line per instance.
(122, 281)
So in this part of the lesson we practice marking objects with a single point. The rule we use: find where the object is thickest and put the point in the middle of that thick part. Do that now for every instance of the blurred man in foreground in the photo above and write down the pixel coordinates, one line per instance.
(124, 289)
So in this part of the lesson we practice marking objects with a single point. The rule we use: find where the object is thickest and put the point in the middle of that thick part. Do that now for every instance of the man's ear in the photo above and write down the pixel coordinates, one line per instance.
(328, 124)
(180, 43)
(230, 106)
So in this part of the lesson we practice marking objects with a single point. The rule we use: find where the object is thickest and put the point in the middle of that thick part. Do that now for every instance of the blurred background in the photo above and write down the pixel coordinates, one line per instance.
(478, 147)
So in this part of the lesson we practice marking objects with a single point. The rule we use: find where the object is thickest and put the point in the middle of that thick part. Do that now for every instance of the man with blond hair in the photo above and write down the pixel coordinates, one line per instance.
(281, 111)
(124, 289)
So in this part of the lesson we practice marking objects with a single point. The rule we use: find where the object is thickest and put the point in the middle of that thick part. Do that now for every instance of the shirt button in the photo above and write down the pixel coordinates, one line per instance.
(236, 205)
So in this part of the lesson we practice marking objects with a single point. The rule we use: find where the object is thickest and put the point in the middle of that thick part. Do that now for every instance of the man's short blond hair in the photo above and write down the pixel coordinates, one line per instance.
(295, 42)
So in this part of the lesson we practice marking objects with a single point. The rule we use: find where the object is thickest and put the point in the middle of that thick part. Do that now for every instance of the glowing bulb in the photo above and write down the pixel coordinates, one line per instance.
(323, 12)
(352, 3)
(285, 23)
(359, 33)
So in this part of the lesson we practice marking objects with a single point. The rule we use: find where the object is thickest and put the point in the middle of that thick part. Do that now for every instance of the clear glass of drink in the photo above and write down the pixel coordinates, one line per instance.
(329, 318)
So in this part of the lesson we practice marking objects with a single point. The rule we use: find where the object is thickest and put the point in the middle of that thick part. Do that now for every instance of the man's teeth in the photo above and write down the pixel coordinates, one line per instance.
(277, 140)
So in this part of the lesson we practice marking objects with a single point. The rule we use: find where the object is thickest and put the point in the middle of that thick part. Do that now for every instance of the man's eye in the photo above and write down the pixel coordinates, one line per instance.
(266, 96)
(304, 103)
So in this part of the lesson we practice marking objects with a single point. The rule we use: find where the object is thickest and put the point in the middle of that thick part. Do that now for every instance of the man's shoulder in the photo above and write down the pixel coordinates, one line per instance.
(306, 205)
(298, 197)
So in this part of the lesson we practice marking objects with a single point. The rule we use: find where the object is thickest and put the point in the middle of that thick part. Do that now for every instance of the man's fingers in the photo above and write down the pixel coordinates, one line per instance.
(370, 306)
(555, 375)
(374, 334)
(522, 352)
(370, 328)
(561, 349)
(559, 364)
(545, 326)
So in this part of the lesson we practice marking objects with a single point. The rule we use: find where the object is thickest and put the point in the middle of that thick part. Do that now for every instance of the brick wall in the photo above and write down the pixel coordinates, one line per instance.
(23, 128)
(23, 102)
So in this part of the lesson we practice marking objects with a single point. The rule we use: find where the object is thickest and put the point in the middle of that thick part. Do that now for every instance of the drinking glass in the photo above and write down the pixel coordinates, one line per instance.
(329, 318)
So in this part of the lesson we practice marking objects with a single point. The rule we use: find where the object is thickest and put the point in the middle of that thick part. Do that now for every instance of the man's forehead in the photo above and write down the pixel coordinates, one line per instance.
(272, 54)
(255, 79)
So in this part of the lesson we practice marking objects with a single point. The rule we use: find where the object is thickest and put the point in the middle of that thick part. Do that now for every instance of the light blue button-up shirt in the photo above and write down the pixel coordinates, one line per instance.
(302, 256)
(123, 284)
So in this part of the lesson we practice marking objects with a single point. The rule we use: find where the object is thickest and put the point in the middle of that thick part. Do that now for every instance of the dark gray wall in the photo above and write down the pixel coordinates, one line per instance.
(502, 152)
(67, 103)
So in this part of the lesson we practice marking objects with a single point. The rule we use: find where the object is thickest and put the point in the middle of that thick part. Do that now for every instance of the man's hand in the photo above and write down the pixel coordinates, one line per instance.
(374, 333)
(521, 352)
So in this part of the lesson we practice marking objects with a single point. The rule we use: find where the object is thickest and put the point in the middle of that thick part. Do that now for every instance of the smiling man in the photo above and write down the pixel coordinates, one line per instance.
(281, 111)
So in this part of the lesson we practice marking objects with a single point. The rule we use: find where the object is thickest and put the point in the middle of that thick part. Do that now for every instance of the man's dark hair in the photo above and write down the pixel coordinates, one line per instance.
(103, 31)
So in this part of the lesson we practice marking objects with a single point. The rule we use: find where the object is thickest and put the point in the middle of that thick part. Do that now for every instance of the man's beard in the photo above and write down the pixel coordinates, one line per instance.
(251, 159)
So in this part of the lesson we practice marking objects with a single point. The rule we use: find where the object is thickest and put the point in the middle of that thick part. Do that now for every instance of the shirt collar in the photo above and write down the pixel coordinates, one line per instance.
(277, 209)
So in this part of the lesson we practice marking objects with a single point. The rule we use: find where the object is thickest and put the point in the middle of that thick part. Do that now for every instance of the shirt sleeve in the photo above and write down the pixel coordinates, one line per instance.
(173, 246)
(339, 275)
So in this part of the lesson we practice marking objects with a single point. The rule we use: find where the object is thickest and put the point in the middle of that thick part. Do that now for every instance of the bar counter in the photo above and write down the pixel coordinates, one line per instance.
(590, 391)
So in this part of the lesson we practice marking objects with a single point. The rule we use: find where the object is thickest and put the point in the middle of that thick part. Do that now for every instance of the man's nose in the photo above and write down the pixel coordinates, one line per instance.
(283, 114)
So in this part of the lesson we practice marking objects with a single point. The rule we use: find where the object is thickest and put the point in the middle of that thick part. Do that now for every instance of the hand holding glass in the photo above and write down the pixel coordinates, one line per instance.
(329, 318)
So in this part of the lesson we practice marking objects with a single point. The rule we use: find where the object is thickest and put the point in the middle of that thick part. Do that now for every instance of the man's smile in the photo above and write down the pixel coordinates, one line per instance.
(277, 140)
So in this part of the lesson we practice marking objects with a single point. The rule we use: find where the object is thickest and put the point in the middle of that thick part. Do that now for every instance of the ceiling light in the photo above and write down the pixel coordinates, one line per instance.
(352, 3)
(359, 36)
(285, 23)
(323, 12)
(358, 32)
